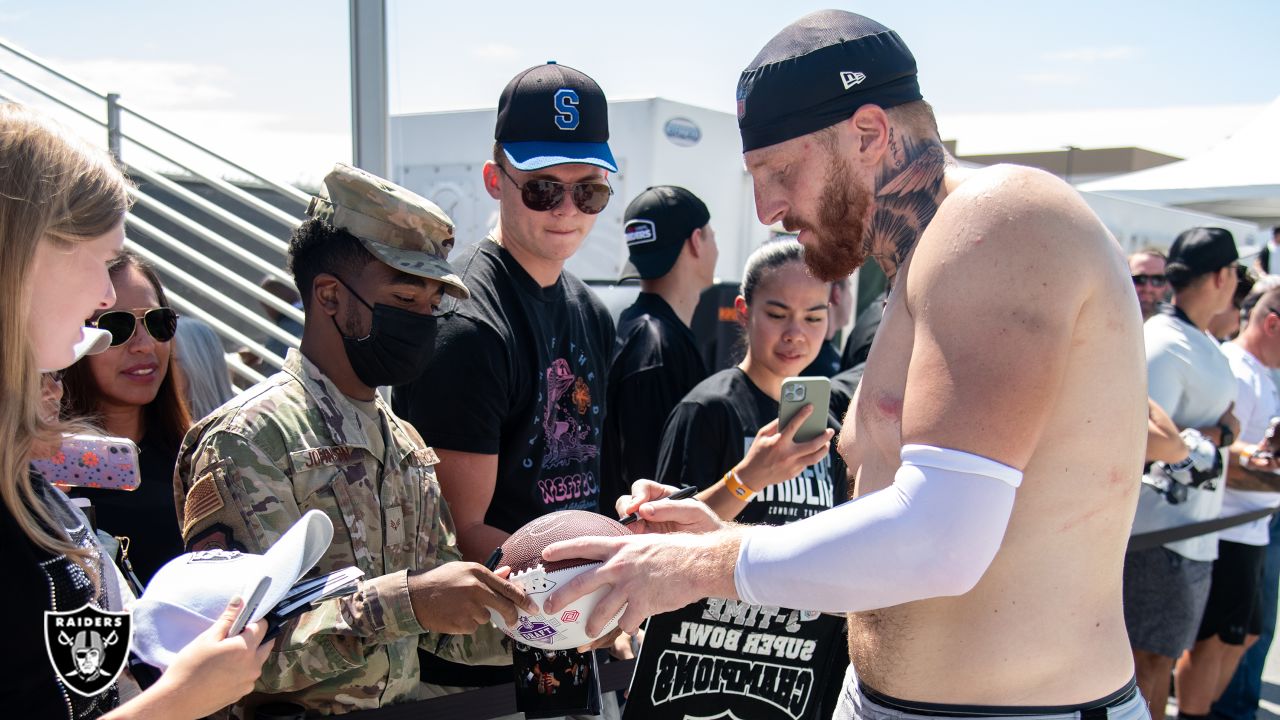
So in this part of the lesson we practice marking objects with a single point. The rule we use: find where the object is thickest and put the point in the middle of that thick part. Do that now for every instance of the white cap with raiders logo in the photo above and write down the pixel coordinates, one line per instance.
(188, 594)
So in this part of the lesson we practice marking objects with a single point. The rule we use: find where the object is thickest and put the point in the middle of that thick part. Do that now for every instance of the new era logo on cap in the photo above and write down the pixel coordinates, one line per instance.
(851, 78)
(640, 232)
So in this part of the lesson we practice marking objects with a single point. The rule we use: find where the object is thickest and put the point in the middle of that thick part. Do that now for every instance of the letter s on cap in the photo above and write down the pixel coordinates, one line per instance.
(566, 103)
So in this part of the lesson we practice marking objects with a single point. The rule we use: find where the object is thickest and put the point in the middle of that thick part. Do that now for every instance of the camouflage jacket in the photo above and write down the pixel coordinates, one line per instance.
(293, 443)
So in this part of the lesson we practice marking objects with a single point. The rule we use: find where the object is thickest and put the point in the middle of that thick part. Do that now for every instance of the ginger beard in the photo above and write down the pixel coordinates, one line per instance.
(840, 234)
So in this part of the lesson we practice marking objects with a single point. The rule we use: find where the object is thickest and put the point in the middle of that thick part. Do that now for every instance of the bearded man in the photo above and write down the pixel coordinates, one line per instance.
(981, 560)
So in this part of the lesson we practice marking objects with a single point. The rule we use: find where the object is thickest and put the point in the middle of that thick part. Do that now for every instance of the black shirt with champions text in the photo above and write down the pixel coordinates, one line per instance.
(726, 658)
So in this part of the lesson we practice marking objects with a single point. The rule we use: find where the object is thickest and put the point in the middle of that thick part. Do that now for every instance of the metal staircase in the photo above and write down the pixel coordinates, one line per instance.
(213, 228)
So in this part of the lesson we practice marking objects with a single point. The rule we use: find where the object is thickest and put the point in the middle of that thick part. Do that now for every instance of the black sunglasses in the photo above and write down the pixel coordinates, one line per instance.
(542, 195)
(1156, 281)
(161, 324)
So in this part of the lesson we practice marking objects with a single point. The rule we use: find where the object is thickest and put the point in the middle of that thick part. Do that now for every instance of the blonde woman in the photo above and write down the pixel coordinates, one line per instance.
(62, 206)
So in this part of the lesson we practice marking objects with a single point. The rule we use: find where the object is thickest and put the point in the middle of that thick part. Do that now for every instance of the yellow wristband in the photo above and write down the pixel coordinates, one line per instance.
(736, 486)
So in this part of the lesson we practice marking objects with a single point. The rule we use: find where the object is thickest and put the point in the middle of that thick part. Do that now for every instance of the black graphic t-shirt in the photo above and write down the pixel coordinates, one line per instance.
(518, 371)
(656, 362)
(716, 656)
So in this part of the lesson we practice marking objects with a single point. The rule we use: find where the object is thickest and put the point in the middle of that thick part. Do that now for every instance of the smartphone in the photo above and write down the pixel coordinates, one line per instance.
(798, 392)
(251, 603)
(92, 461)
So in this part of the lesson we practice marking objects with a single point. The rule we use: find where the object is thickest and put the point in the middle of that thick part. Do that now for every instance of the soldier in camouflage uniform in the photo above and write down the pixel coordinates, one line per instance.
(317, 435)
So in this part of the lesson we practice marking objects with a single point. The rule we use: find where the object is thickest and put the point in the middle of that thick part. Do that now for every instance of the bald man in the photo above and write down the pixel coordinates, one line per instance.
(1146, 267)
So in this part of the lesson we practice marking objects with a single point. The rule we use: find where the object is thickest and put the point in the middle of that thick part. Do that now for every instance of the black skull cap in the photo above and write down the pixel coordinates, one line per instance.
(817, 72)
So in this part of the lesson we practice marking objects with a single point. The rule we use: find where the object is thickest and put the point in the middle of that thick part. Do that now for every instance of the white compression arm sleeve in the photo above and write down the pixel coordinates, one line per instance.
(932, 533)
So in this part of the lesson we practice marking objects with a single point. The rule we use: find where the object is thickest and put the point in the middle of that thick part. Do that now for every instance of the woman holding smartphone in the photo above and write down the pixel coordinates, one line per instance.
(724, 435)
(62, 206)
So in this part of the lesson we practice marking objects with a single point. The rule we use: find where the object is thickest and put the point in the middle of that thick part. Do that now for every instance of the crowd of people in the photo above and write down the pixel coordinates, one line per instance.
(1194, 606)
(982, 562)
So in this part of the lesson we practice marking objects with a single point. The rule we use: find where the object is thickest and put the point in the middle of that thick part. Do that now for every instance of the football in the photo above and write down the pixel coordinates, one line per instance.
(522, 552)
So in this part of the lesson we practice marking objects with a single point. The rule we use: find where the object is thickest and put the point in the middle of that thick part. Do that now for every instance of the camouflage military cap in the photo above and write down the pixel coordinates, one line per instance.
(399, 227)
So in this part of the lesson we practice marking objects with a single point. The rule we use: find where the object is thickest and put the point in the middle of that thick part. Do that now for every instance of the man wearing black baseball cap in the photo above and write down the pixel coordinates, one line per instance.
(529, 351)
(998, 430)
(1166, 588)
(553, 115)
(672, 250)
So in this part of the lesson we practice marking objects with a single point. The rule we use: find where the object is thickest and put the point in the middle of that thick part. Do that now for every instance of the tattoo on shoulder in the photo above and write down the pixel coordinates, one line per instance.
(907, 198)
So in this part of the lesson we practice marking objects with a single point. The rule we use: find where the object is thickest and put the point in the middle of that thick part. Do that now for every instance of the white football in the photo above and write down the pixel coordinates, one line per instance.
(522, 552)
(564, 630)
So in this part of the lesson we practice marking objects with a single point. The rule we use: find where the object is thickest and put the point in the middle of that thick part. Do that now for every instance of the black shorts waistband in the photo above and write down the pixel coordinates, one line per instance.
(1096, 709)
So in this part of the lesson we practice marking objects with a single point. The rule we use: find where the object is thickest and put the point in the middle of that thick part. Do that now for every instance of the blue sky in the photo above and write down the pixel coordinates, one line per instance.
(269, 79)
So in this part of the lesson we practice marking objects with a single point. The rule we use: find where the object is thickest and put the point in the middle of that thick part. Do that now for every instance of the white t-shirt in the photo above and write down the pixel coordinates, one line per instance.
(1256, 404)
(1190, 378)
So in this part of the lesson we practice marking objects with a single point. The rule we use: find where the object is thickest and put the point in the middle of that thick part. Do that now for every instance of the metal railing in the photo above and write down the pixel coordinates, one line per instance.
(113, 101)
(255, 225)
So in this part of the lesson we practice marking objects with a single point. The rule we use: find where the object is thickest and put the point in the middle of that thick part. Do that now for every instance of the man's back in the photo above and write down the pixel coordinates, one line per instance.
(1015, 254)
(655, 363)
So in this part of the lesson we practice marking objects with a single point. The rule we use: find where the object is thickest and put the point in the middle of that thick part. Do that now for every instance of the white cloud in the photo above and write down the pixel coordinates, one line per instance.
(194, 101)
(262, 142)
(1092, 54)
(493, 51)
(1052, 79)
(148, 84)
(1183, 131)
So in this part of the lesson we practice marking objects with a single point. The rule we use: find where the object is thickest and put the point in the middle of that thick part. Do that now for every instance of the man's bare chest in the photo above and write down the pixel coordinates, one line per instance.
(878, 415)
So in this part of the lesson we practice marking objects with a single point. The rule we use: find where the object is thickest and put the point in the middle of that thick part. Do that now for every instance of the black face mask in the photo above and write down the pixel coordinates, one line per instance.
(397, 348)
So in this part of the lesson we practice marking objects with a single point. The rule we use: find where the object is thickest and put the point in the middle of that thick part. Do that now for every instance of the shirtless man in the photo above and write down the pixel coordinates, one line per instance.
(999, 427)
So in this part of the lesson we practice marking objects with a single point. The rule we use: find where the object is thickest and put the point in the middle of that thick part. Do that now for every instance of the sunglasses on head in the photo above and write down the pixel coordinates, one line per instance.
(161, 324)
(1156, 281)
(542, 195)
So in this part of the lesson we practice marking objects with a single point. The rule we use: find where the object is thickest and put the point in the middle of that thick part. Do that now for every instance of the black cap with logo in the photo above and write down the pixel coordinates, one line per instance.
(656, 225)
(817, 72)
(1198, 251)
(554, 115)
